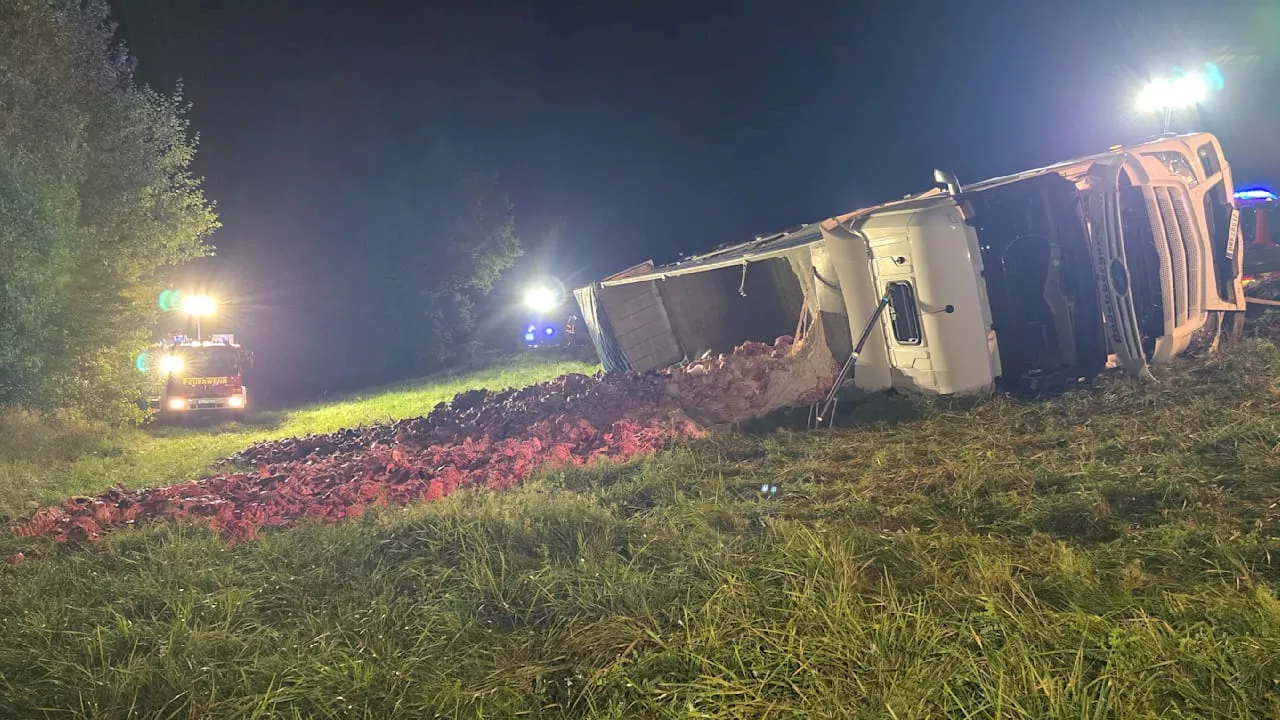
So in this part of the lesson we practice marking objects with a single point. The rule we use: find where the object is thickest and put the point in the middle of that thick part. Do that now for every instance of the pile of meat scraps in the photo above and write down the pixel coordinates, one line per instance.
(347, 485)
(482, 439)
(755, 380)
(601, 401)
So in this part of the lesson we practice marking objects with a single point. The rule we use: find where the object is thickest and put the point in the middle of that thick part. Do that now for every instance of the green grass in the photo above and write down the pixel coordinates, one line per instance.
(45, 460)
(1112, 553)
(1262, 259)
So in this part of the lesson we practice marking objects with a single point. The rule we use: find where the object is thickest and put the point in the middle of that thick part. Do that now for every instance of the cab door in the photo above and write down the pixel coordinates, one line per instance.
(1211, 200)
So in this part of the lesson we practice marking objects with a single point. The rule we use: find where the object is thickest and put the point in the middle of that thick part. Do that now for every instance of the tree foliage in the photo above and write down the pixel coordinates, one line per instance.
(460, 266)
(96, 197)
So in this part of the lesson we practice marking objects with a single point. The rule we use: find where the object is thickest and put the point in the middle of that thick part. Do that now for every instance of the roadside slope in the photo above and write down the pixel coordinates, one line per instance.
(41, 464)
(1110, 553)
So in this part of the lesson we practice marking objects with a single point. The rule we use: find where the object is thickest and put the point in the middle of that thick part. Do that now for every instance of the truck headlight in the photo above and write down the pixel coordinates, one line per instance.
(235, 401)
(177, 403)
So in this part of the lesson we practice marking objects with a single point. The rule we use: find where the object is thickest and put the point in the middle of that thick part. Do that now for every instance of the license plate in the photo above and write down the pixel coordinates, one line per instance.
(1233, 233)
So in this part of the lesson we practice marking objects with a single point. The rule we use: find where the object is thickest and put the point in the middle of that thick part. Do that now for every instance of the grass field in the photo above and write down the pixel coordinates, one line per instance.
(43, 462)
(1112, 553)
(1262, 259)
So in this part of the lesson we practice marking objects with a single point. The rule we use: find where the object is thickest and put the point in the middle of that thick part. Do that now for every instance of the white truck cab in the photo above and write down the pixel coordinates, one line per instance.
(1124, 258)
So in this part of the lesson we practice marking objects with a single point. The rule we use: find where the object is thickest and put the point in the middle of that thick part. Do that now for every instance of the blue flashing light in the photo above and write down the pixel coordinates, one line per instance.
(531, 328)
(529, 337)
(550, 331)
(1262, 194)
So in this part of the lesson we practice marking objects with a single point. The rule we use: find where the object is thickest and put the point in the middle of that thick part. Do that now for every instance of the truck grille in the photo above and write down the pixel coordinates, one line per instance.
(1183, 253)
(1173, 274)
(1191, 246)
(1179, 250)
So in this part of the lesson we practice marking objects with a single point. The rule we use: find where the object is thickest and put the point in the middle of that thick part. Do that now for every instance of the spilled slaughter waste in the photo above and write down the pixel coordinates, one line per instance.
(482, 439)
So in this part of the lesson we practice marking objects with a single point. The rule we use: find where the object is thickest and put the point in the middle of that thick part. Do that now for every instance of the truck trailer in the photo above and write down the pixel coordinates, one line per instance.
(1123, 259)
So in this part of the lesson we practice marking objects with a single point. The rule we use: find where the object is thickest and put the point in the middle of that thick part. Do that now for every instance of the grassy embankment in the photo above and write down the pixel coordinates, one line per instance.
(44, 462)
(1112, 553)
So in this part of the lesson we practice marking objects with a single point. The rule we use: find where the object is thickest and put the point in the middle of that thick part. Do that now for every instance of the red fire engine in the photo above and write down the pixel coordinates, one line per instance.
(203, 376)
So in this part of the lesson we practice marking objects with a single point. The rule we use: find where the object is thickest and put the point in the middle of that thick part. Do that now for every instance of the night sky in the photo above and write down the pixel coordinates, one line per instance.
(627, 131)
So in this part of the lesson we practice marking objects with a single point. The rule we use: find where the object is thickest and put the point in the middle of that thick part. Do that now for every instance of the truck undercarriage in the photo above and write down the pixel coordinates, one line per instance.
(1044, 306)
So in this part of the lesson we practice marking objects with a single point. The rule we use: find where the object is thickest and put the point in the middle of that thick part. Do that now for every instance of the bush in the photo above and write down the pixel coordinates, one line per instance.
(47, 436)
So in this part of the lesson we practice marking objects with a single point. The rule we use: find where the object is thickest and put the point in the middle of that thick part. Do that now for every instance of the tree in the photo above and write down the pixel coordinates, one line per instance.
(460, 266)
(96, 198)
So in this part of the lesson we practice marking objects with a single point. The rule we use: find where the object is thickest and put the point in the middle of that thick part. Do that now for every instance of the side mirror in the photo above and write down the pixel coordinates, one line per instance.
(947, 181)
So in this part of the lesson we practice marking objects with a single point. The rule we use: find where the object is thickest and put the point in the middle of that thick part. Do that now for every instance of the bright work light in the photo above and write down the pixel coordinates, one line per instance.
(541, 299)
(171, 364)
(1180, 92)
(1184, 89)
(198, 305)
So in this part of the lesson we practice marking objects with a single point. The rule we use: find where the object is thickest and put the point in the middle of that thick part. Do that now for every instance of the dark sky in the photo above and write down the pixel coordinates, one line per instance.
(626, 131)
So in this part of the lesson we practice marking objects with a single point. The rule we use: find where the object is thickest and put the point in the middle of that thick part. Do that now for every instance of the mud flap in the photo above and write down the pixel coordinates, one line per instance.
(1111, 271)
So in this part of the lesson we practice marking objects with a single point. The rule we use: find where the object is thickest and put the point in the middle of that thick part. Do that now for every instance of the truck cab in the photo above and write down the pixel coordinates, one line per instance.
(1126, 258)
(204, 377)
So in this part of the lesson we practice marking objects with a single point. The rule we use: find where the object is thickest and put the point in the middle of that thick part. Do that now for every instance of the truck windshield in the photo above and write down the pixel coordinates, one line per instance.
(211, 362)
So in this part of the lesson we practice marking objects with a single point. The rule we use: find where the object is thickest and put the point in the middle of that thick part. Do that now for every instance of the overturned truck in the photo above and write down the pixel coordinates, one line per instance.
(1125, 258)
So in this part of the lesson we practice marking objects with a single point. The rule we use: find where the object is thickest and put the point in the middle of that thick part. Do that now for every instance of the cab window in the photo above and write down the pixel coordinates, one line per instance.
(1209, 159)
(904, 315)
(212, 362)
(1177, 164)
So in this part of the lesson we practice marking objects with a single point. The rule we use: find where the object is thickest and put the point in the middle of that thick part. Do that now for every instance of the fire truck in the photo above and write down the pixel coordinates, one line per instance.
(203, 377)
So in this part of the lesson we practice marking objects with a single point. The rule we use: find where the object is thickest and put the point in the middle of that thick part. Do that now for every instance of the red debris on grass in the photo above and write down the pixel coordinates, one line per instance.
(482, 439)
(601, 401)
(752, 381)
(346, 485)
